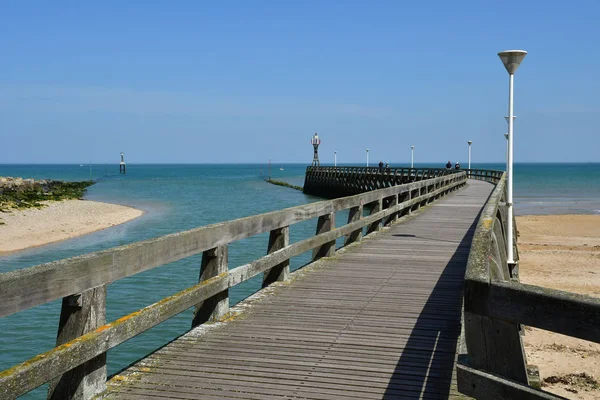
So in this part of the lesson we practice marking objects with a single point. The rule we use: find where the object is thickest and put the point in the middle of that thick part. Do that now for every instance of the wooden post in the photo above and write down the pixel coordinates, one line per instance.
(355, 214)
(393, 201)
(325, 223)
(414, 194)
(214, 263)
(495, 346)
(374, 226)
(278, 239)
(401, 199)
(80, 314)
(423, 191)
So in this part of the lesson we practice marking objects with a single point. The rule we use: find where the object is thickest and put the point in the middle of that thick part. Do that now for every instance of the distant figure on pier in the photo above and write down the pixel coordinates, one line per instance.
(457, 165)
(381, 165)
(449, 165)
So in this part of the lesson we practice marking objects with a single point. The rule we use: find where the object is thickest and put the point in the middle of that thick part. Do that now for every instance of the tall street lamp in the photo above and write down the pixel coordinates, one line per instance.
(511, 60)
(335, 158)
(412, 156)
(367, 157)
(470, 142)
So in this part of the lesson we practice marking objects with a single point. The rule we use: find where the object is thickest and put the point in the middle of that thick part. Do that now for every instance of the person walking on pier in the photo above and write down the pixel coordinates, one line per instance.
(380, 165)
(457, 165)
(449, 165)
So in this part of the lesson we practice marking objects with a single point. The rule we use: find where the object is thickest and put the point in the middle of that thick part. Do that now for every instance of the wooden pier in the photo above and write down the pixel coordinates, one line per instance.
(334, 182)
(380, 320)
(419, 303)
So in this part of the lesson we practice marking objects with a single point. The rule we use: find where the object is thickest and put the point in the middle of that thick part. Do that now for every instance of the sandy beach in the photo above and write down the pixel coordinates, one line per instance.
(562, 252)
(59, 221)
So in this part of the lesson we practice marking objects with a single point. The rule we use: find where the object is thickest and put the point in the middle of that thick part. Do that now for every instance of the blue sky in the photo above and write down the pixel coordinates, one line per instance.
(245, 81)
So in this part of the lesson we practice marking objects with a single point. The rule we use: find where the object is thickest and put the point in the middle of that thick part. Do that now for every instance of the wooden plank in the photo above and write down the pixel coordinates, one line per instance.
(549, 309)
(482, 385)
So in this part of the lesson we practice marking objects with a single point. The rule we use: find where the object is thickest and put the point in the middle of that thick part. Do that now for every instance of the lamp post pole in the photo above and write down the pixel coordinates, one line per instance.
(511, 60)
(335, 158)
(470, 142)
(367, 157)
(506, 136)
(412, 156)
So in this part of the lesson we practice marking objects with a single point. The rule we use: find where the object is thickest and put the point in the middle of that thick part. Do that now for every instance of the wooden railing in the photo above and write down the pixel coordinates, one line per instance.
(485, 174)
(334, 182)
(76, 368)
(492, 363)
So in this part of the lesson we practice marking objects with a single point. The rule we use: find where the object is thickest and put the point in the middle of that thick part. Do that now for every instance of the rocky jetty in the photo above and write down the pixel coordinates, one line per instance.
(24, 193)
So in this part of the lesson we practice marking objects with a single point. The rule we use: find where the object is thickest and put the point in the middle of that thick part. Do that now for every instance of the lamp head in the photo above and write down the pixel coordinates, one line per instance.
(512, 59)
(506, 136)
(412, 147)
(469, 142)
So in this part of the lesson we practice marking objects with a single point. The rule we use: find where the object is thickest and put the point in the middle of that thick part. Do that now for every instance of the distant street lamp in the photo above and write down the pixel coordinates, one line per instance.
(511, 60)
(367, 157)
(470, 142)
(335, 158)
(412, 156)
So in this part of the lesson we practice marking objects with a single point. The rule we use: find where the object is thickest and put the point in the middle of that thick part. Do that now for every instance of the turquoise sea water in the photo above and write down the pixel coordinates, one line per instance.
(181, 197)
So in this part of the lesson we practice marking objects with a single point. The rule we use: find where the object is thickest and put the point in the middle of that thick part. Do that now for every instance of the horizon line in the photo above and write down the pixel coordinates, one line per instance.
(351, 164)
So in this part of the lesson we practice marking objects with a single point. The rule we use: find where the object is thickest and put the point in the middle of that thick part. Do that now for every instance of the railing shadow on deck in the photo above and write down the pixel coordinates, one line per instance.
(427, 361)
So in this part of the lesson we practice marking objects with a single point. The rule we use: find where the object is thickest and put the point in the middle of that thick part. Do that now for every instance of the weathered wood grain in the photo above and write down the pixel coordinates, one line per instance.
(482, 385)
(29, 375)
(325, 223)
(214, 263)
(79, 315)
(278, 239)
(554, 310)
(355, 214)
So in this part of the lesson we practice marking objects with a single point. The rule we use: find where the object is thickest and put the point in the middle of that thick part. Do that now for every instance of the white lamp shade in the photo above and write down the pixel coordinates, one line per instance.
(512, 59)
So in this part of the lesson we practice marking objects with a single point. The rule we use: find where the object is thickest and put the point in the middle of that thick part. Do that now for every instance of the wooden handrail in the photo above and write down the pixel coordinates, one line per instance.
(26, 288)
(495, 304)
(67, 278)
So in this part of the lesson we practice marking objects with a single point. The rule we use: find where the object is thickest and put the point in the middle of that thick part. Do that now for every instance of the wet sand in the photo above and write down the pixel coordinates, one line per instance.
(58, 221)
(562, 252)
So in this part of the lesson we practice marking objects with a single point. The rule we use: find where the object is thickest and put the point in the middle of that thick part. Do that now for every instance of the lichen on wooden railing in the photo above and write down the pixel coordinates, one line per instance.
(76, 368)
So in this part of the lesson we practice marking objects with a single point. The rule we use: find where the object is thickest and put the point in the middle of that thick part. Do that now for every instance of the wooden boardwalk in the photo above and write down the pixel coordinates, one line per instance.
(379, 320)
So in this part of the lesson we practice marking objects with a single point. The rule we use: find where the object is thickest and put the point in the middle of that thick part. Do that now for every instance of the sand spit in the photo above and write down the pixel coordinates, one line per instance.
(59, 221)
